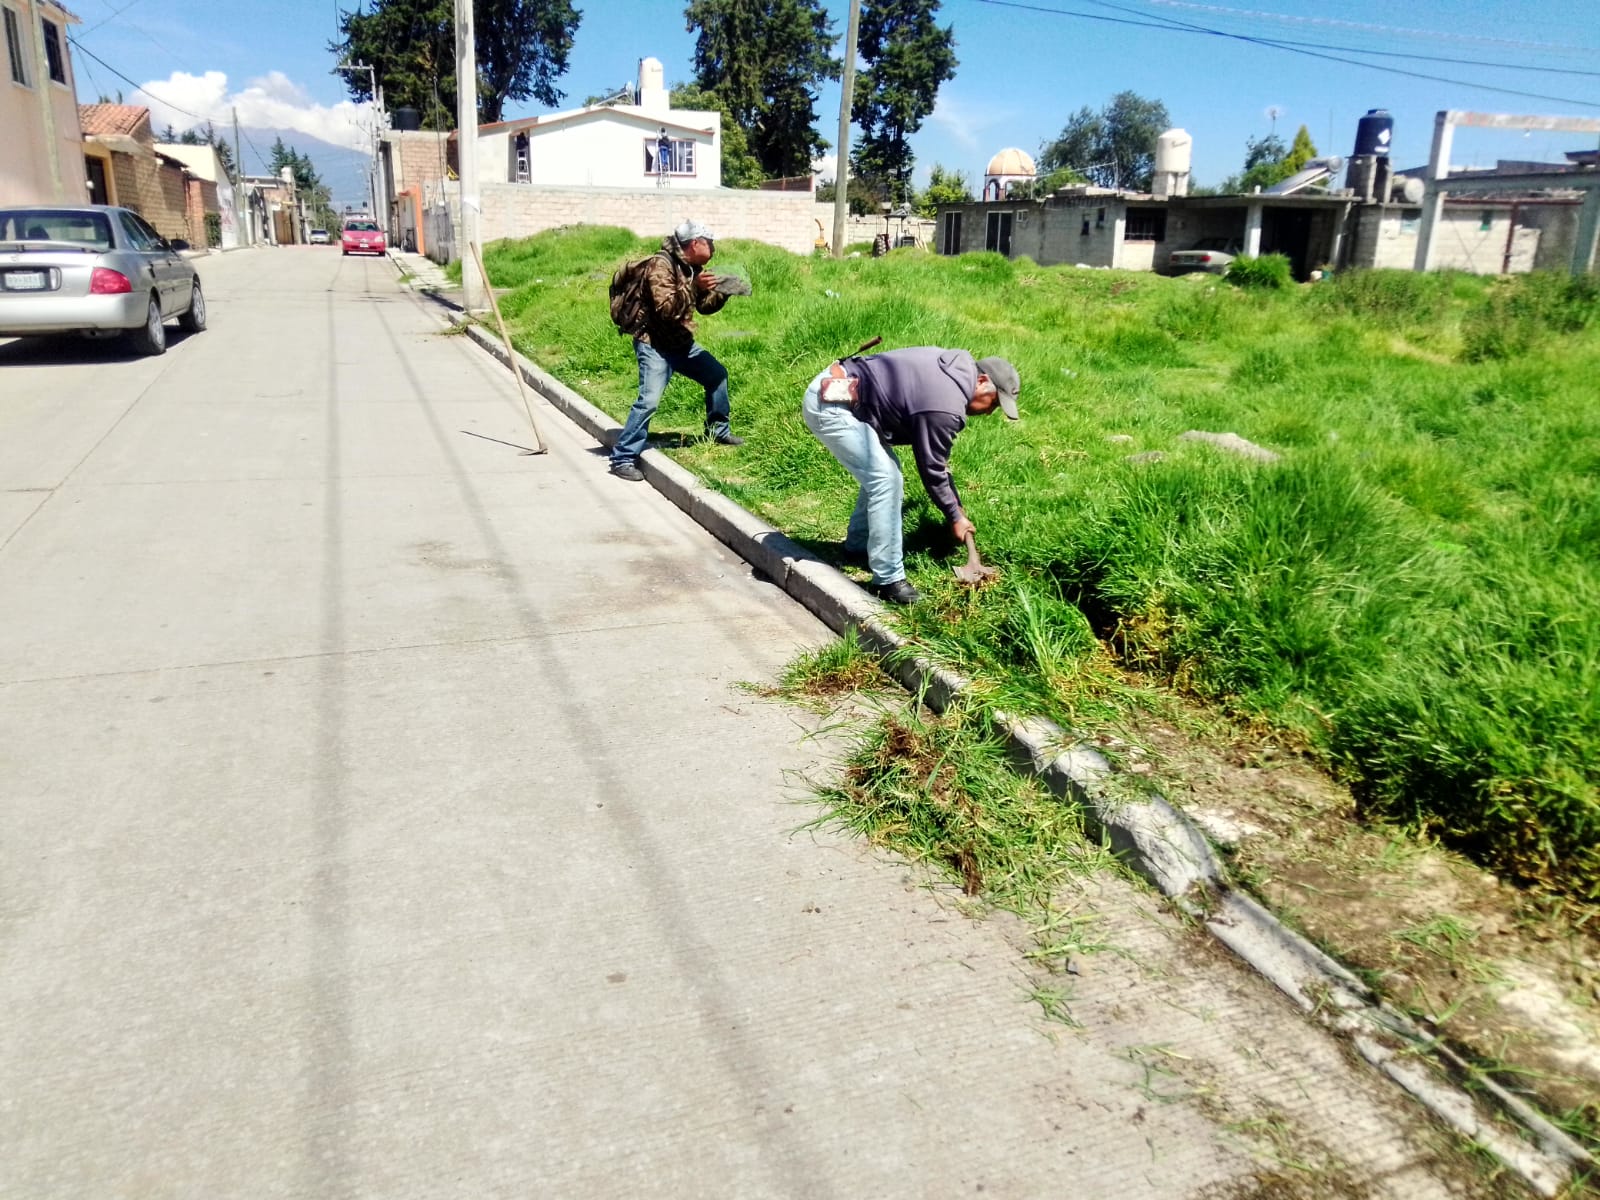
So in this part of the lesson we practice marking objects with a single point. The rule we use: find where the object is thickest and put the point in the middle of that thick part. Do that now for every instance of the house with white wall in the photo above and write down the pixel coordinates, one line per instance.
(645, 144)
(41, 143)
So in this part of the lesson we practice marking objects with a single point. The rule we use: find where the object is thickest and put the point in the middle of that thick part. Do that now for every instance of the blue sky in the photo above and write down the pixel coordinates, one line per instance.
(1024, 69)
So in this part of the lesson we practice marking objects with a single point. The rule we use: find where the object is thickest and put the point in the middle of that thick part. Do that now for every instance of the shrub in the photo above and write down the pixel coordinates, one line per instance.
(1268, 271)
(1519, 312)
(1403, 297)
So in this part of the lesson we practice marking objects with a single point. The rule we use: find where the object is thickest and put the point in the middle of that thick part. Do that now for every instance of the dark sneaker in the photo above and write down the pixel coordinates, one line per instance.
(726, 438)
(899, 592)
(628, 471)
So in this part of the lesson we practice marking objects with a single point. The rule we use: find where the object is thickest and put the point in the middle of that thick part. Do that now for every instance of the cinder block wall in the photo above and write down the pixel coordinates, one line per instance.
(779, 218)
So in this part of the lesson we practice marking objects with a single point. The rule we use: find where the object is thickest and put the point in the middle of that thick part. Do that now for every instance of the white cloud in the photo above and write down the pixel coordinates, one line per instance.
(273, 101)
(826, 168)
(964, 122)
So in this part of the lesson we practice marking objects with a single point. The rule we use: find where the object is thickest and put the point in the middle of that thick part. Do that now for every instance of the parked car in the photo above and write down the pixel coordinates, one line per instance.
(362, 236)
(101, 272)
(319, 237)
(1211, 254)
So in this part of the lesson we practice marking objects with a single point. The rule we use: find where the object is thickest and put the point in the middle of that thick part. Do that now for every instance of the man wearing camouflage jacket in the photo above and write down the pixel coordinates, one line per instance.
(676, 287)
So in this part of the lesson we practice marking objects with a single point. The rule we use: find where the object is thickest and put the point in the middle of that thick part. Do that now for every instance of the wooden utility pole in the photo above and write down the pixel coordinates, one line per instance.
(841, 172)
(473, 285)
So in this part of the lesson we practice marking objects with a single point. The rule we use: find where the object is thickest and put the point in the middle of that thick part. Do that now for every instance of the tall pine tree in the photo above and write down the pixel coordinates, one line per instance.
(907, 58)
(765, 59)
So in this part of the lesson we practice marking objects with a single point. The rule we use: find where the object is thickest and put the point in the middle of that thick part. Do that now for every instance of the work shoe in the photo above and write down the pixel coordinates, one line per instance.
(727, 438)
(629, 471)
(898, 592)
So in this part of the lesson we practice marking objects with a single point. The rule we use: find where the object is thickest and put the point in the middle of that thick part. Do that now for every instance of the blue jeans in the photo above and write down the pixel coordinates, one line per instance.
(875, 523)
(655, 370)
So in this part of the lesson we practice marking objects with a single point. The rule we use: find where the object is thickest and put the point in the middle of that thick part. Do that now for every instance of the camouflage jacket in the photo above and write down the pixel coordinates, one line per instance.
(674, 298)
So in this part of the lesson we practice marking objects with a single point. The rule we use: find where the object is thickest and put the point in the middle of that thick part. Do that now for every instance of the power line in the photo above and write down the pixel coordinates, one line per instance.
(1186, 27)
(1368, 27)
(77, 45)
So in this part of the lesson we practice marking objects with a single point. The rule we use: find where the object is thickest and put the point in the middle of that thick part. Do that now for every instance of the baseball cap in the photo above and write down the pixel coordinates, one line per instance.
(689, 230)
(1006, 381)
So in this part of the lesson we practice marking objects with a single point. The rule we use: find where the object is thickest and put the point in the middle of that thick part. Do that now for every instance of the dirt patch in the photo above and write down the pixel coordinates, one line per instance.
(1510, 979)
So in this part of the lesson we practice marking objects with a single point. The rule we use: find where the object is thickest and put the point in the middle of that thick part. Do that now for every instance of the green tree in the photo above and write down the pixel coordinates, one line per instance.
(765, 60)
(1262, 172)
(859, 196)
(1115, 147)
(740, 169)
(944, 187)
(907, 58)
(1046, 185)
(522, 50)
(167, 136)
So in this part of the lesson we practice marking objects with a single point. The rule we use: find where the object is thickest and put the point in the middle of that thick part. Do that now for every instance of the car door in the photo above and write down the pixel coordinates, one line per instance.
(161, 263)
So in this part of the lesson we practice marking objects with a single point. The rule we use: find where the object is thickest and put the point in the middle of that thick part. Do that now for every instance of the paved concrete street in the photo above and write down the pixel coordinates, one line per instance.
(382, 819)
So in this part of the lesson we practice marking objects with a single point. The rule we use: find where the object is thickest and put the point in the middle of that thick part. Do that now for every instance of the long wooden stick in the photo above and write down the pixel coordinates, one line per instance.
(511, 355)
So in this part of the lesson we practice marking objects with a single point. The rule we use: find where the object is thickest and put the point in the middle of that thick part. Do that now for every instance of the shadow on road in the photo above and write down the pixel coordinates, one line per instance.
(70, 349)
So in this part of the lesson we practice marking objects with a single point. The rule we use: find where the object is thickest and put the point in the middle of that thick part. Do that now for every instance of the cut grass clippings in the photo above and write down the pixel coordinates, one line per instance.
(1412, 593)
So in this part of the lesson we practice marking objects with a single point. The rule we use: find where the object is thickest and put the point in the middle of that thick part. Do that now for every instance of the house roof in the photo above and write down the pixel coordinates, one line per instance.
(650, 121)
(111, 118)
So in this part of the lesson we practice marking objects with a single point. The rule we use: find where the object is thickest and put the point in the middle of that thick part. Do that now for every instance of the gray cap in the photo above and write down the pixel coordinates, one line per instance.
(689, 230)
(1006, 381)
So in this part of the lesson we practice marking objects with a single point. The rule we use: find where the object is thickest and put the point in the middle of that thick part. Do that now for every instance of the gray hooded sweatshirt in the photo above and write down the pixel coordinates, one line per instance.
(918, 398)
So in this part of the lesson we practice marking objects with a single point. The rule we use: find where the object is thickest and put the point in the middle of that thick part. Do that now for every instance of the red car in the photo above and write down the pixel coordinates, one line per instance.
(362, 236)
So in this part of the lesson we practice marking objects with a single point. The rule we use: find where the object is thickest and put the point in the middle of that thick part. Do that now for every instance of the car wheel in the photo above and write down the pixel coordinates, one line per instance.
(194, 321)
(151, 337)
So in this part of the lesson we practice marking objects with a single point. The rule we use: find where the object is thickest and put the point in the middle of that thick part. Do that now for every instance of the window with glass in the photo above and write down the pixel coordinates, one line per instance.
(1145, 225)
(668, 156)
(54, 56)
(14, 47)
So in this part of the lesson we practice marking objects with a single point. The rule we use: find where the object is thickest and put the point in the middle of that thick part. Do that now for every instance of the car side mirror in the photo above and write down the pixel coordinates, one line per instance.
(177, 244)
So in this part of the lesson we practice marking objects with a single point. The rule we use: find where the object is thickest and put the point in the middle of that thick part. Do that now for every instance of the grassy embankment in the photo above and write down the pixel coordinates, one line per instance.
(1413, 591)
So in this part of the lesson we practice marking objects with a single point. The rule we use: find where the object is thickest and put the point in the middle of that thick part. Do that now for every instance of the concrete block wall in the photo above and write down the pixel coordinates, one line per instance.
(417, 157)
(778, 218)
(156, 192)
(1387, 238)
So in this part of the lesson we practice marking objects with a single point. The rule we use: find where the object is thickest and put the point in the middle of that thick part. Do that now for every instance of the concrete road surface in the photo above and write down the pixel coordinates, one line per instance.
(381, 819)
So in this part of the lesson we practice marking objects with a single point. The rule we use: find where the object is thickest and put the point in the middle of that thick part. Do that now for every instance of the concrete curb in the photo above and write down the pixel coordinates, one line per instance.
(1151, 836)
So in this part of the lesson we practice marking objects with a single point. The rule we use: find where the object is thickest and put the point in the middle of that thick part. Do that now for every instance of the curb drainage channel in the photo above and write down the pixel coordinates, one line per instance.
(1150, 835)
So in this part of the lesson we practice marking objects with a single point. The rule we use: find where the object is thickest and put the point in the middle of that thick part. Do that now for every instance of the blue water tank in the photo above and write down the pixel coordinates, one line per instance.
(1374, 132)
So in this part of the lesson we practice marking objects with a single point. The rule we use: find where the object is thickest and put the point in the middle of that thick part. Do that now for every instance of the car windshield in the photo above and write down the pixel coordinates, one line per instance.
(362, 226)
(90, 229)
(319, 232)
(1215, 243)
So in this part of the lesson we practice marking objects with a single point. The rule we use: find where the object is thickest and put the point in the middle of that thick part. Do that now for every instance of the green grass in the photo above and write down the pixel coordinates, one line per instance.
(1413, 592)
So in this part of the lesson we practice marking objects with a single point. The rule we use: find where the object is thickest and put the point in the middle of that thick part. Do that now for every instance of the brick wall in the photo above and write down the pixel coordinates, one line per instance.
(155, 190)
(414, 158)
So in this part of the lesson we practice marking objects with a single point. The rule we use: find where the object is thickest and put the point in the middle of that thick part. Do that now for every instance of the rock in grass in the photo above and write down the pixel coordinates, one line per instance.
(1119, 439)
(1232, 443)
(1149, 456)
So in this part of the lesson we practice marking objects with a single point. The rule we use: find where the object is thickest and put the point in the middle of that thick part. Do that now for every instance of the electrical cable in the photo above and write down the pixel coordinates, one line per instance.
(1186, 27)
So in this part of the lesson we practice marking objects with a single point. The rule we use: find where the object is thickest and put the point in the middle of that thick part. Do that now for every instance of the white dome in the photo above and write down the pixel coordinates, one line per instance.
(1011, 161)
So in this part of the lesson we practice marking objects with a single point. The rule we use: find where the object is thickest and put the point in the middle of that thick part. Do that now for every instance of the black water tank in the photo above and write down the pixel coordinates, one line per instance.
(407, 118)
(1374, 133)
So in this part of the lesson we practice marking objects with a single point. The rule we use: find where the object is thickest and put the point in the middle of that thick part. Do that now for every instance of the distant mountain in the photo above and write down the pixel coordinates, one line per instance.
(342, 169)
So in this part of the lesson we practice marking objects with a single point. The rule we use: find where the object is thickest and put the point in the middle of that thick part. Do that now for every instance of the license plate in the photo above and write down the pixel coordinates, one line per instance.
(27, 281)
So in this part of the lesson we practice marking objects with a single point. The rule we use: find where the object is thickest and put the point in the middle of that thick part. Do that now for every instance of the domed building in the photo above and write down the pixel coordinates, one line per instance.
(1007, 169)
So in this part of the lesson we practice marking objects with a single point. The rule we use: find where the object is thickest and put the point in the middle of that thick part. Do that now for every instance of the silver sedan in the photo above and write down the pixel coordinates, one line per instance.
(101, 272)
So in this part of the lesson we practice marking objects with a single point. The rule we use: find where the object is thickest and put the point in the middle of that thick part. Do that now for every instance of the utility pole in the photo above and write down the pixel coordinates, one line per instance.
(473, 285)
(841, 170)
(240, 201)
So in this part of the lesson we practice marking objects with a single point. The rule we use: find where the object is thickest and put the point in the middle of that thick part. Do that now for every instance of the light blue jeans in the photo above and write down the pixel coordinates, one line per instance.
(875, 523)
(655, 372)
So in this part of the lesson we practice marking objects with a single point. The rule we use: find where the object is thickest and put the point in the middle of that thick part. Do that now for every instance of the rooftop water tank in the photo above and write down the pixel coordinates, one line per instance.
(1174, 149)
(406, 118)
(1374, 132)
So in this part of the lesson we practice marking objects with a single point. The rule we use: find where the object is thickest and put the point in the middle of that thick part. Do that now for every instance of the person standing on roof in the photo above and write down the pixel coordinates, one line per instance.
(859, 407)
(675, 287)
